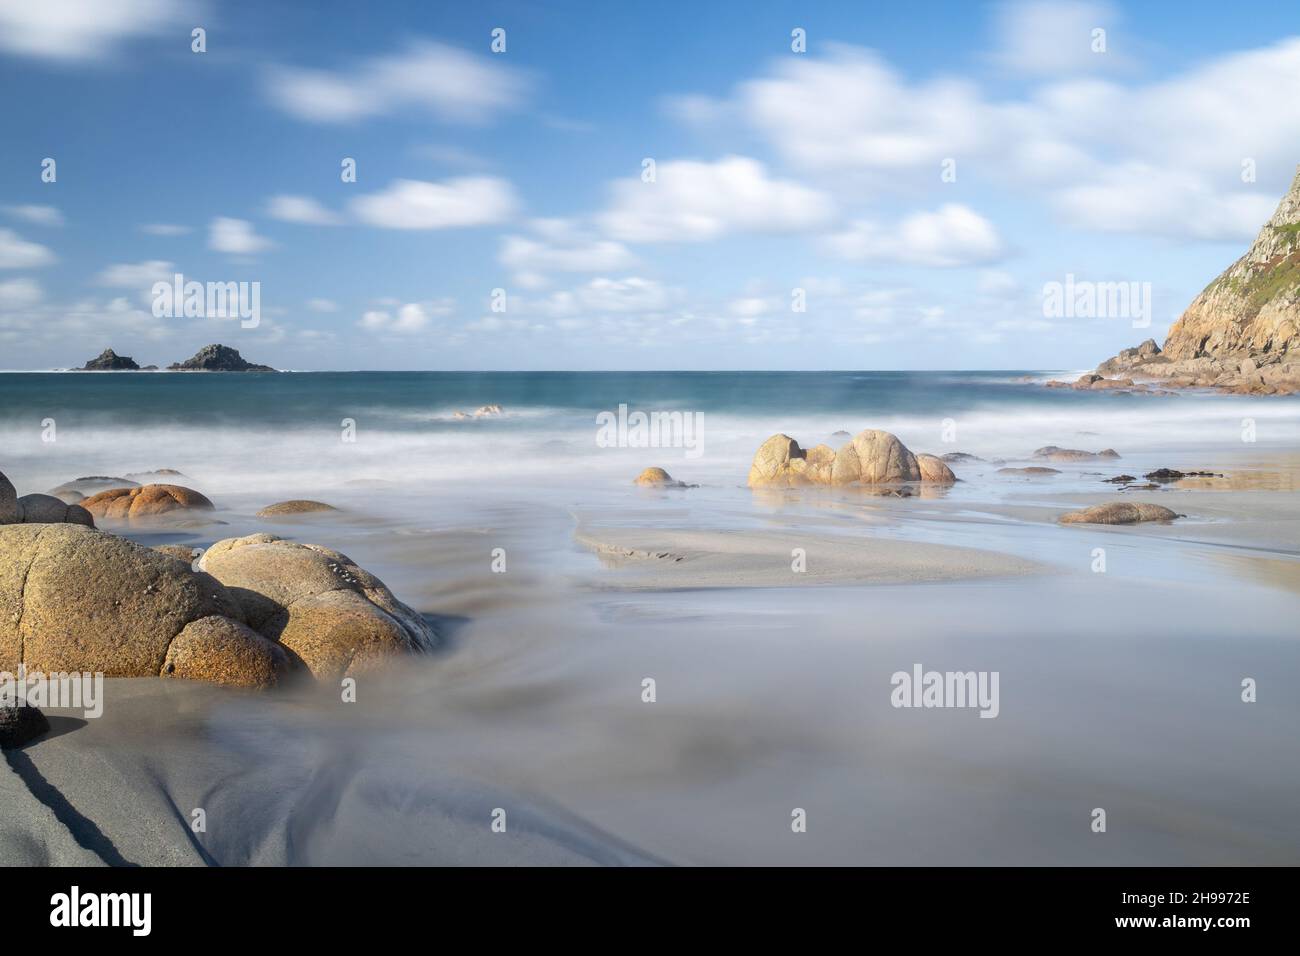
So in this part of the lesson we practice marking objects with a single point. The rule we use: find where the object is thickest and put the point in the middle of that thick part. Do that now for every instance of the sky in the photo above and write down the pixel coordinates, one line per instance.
(560, 185)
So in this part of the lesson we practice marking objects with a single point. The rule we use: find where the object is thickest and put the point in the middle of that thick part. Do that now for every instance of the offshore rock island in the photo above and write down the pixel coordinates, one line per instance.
(210, 358)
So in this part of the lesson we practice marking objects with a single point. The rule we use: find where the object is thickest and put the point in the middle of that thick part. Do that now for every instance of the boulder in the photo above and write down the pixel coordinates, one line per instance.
(1031, 470)
(1120, 512)
(47, 509)
(657, 478)
(20, 725)
(336, 617)
(871, 457)
(874, 457)
(145, 477)
(8, 501)
(224, 651)
(295, 506)
(1055, 453)
(182, 552)
(935, 470)
(74, 491)
(76, 599)
(772, 462)
(144, 502)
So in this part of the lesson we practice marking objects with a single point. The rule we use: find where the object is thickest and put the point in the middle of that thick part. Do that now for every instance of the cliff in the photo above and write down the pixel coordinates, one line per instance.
(1242, 333)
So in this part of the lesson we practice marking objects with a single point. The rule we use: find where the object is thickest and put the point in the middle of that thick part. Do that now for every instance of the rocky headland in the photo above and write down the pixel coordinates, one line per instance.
(1241, 334)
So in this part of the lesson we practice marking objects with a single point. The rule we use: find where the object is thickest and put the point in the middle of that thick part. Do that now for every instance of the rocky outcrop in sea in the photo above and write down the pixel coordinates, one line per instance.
(217, 358)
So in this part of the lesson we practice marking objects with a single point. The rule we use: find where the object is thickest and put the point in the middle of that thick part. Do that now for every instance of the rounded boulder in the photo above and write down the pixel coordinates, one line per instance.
(145, 502)
(76, 599)
(223, 651)
(338, 618)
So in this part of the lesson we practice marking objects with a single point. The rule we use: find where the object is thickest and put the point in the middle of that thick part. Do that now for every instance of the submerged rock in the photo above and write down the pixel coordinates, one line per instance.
(294, 506)
(1120, 512)
(74, 491)
(657, 478)
(1165, 475)
(1056, 453)
(1031, 470)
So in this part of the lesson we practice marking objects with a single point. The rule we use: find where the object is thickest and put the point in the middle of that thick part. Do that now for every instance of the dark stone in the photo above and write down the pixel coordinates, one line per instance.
(18, 725)
(1169, 474)
(1120, 479)
(110, 361)
(218, 358)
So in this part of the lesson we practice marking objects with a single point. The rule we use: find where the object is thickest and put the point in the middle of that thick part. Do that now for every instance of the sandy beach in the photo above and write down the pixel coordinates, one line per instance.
(1119, 689)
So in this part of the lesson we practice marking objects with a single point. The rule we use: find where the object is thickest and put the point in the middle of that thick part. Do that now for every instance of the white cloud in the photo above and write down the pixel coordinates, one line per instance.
(37, 215)
(631, 294)
(1053, 36)
(753, 306)
(448, 82)
(695, 201)
(165, 229)
(301, 209)
(998, 285)
(851, 116)
(136, 275)
(604, 296)
(559, 245)
(851, 110)
(953, 235)
(322, 305)
(20, 294)
(17, 253)
(1139, 198)
(412, 204)
(236, 237)
(408, 319)
(82, 29)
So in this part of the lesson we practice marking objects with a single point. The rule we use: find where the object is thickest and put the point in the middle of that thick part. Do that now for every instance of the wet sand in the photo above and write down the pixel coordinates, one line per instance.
(1120, 689)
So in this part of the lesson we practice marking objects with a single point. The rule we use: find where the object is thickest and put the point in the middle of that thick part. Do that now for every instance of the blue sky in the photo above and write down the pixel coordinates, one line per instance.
(775, 171)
